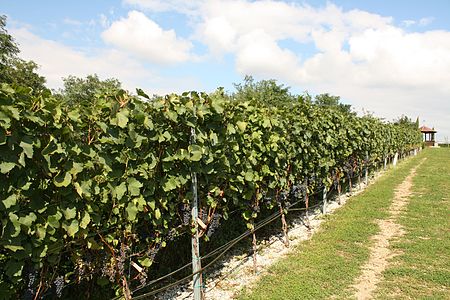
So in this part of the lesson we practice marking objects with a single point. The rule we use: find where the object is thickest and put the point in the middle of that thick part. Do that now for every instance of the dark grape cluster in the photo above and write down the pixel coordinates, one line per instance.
(59, 285)
(80, 268)
(151, 253)
(120, 260)
(31, 285)
(171, 235)
(256, 208)
(108, 270)
(84, 264)
(142, 278)
(282, 197)
(297, 191)
(203, 215)
(214, 224)
(366, 161)
(312, 178)
(335, 183)
(348, 168)
(185, 212)
(267, 199)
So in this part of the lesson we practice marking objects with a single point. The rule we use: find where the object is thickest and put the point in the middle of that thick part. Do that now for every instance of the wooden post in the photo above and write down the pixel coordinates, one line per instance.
(324, 198)
(359, 178)
(255, 266)
(339, 192)
(350, 189)
(366, 175)
(308, 225)
(196, 261)
(284, 226)
(395, 159)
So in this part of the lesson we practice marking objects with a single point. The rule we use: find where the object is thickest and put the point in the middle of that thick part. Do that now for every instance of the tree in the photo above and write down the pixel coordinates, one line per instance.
(14, 70)
(83, 91)
(8, 47)
(265, 91)
(333, 101)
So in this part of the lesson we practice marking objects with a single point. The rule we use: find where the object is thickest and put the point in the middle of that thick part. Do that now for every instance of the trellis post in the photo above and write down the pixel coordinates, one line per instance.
(196, 260)
(324, 198)
(366, 175)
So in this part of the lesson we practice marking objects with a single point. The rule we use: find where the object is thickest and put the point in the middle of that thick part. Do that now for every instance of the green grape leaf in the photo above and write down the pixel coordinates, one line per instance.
(10, 201)
(120, 190)
(157, 214)
(63, 179)
(27, 149)
(71, 228)
(131, 211)
(146, 262)
(5, 167)
(134, 186)
(122, 118)
(70, 213)
(85, 220)
(241, 125)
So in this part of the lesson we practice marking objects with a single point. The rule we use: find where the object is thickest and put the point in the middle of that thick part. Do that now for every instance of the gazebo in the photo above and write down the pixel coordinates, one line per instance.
(428, 136)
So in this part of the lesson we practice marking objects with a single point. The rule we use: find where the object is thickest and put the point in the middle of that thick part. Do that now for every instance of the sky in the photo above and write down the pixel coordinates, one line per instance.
(389, 58)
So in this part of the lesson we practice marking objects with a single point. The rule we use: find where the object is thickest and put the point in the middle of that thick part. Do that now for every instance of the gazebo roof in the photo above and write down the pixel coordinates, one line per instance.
(426, 129)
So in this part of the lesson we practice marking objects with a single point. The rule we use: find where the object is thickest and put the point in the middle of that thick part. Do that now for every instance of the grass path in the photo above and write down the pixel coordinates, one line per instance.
(422, 270)
(381, 252)
(327, 266)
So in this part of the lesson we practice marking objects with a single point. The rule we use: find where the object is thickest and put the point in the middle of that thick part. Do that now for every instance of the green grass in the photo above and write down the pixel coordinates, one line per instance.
(422, 271)
(327, 265)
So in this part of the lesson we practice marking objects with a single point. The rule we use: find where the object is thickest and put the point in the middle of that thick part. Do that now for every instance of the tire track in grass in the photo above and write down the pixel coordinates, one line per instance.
(380, 253)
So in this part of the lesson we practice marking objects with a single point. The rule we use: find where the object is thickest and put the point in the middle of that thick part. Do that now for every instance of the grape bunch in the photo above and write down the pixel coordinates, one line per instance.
(142, 278)
(214, 224)
(171, 235)
(348, 168)
(31, 286)
(297, 191)
(312, 178)
(282, 197)
(266, 198)
(59, 285)
(151, 253)
(256, 208)
(203, 215)
(108, 270)
(185, 211)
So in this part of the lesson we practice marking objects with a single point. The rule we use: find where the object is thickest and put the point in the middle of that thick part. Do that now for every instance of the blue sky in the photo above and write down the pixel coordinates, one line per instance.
(386, 57)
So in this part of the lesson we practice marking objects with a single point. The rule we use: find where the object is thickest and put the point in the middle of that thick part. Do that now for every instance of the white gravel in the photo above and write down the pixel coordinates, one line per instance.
(236, 270)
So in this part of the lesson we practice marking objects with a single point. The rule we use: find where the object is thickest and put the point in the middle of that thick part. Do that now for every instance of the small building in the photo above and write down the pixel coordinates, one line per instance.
(428, 136)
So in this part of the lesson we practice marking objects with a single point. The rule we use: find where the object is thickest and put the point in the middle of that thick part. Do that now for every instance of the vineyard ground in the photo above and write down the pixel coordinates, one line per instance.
(327, 265)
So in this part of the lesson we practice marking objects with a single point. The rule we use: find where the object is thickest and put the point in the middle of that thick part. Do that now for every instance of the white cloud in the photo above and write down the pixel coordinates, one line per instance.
(258, 53)
(421, 22)
(408, 23)
(57, 61)
(142, 37)
(219, 34)
(426, 21)
(104, 22)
